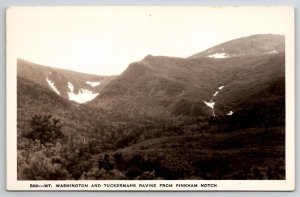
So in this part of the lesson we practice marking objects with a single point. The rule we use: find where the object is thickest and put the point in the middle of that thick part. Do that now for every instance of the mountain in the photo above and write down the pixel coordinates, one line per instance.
(75, 86)
(202, 117)
(43, 90)
(260, 82)
(156, 84)
(34, 99)
(200, 85)
(247, 46)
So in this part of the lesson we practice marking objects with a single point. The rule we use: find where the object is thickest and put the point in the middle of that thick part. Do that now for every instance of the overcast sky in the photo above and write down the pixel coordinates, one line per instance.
(104, 40)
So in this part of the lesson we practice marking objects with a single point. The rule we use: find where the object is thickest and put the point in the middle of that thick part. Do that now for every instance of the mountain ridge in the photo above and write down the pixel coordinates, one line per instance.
(68, 84)
(168, 79)
(250, 45)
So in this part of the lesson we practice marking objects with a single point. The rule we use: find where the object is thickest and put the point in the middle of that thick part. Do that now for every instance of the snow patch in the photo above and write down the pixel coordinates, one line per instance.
(51, 84)
(219, 55)
(83, 95)
(272, 52)
(70, 86)
(215, 94)
(93, 83)
(229, 113)
(211, 105)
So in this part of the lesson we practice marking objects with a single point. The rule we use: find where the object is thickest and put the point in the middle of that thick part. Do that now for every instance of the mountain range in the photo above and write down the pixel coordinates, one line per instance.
(184, 86)
(226, 94)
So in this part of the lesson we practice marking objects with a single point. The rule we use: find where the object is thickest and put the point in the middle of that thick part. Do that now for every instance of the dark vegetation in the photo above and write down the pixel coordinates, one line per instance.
(151, 123)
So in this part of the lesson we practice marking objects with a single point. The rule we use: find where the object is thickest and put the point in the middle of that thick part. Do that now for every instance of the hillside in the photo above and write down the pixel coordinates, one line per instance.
(75, 86)
(34, 99)
(157, 83)
(178, 86)
(247, 46)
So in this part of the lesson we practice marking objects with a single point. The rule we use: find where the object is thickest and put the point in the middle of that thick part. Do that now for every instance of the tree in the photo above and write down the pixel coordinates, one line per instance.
(105, 164)
(45, 128)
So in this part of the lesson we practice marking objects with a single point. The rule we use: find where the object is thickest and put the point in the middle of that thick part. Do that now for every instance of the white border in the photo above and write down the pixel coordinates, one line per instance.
(236, 185)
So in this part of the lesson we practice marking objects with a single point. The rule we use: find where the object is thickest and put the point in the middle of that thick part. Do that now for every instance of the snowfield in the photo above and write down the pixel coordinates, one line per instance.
(83, 95)
(219, 55)
(51, 84)
(93, 84)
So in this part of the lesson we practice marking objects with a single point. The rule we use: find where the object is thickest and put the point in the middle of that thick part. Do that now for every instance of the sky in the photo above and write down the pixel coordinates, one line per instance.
(105, 40)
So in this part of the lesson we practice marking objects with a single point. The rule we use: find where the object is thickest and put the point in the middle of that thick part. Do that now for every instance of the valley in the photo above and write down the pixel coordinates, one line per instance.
(216, 115)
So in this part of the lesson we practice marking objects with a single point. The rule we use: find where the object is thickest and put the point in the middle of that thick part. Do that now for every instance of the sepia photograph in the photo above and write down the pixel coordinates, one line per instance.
(160, 94)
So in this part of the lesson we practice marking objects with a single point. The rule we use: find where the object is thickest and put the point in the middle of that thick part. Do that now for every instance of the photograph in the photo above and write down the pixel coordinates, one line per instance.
(149, 93)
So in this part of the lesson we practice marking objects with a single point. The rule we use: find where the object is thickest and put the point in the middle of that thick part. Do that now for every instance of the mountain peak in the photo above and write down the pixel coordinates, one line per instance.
(258, 44)
(149, 56)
